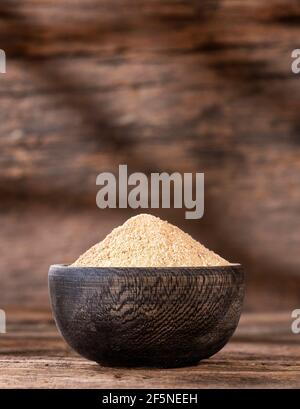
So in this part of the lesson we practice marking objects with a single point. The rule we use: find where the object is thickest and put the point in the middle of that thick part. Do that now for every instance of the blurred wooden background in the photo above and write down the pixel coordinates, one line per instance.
(173, 85)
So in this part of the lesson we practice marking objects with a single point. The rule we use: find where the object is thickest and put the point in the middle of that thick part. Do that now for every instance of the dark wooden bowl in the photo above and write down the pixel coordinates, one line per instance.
(162, 317)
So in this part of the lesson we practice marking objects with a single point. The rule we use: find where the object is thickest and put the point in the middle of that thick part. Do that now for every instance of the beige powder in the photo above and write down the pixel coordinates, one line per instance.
(147, 241)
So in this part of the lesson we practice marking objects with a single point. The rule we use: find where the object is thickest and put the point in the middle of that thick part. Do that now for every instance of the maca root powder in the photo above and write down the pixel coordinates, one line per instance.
(147, 241)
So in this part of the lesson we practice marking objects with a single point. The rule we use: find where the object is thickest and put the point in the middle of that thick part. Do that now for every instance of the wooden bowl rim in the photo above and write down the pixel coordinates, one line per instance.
(66, 269)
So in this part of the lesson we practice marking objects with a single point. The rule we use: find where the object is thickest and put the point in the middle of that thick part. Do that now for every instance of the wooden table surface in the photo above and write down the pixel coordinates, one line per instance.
(263, 353)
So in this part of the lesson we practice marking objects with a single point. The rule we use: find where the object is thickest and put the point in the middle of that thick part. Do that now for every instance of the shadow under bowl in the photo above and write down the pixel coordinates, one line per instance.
(159, 317)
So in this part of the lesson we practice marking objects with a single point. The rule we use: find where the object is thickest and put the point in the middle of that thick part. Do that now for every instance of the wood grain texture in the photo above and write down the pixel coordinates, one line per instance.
(160, 85)
(159, 317)
(262, 353)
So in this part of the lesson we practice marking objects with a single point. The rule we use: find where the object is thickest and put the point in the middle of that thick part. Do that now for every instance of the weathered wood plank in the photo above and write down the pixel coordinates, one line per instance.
(159, 85)
(263, 353)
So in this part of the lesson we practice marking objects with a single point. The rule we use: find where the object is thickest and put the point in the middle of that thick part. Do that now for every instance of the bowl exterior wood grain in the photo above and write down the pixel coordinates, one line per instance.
(162, 317)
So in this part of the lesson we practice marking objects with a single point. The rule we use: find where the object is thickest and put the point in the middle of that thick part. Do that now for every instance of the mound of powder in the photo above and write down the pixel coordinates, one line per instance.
(147, 241)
